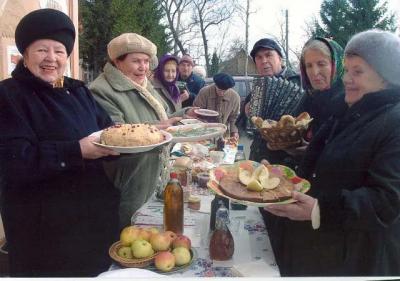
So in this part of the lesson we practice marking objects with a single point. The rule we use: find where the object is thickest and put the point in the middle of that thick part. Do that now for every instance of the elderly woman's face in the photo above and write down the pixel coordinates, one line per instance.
(360, 79)
(135, 66)
(318, 69)
(169, 71)
(46, 59)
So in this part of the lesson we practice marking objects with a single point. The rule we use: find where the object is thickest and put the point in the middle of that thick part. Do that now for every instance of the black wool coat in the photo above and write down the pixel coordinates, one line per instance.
(60, 212)
(356, 178)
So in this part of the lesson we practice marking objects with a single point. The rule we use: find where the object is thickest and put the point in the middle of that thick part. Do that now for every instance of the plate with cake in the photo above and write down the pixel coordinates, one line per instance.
(132, 138)
(251, 183)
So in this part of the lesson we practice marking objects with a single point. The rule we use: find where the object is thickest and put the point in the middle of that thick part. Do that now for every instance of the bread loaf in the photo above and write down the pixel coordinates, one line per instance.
(129, 135)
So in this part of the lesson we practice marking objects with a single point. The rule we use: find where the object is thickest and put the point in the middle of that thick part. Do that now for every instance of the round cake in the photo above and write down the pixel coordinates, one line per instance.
(128, 135)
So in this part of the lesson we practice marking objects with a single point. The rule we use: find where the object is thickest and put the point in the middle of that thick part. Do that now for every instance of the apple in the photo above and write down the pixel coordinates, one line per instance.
(171, 234)
(182, 241)
(144, 234)
(128, 235)
(182, 255)
(164, 261)
(153, 230)
(125, 252)
(141, 249)
(160, 241)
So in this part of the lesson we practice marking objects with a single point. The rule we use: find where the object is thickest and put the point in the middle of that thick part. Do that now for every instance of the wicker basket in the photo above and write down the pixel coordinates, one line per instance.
(281, 138)
(137, 263)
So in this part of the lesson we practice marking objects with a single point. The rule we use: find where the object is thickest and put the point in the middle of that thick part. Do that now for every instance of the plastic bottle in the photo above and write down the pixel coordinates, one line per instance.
(173, 205)
(222, 244)
(240, 155)
(214, 208)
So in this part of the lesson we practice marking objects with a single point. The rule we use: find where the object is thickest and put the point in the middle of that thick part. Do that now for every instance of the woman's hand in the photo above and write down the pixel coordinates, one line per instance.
(91, 151)
(297, 151)
(298, 211)
(184, 95)
(168, 123)
(190, 112)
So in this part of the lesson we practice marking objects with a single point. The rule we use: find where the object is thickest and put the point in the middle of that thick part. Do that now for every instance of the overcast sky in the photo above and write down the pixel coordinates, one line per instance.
(268, 14)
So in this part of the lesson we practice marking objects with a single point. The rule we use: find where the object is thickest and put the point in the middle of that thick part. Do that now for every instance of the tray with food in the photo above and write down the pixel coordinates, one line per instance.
(251, 183)
(153, 249)
(132, 138)
(196, 132)
(285, 133)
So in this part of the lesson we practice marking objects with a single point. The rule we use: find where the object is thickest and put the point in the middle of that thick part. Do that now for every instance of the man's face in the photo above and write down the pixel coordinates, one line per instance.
(268, 62)
(185, 69)
(219, 91)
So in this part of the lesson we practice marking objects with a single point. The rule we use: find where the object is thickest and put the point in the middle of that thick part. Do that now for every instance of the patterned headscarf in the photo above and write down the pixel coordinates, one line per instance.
(337, 64)
(159, 74)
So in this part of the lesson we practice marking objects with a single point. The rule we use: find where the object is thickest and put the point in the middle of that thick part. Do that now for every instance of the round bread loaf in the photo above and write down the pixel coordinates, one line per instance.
(131, 135)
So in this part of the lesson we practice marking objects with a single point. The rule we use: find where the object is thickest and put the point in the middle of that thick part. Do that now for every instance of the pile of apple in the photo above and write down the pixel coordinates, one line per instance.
(173, 250)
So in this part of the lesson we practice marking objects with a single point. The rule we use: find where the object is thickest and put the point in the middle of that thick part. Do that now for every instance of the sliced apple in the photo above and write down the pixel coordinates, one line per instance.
(254, 185)
(269, 183)
(260, 171)
(244, 176)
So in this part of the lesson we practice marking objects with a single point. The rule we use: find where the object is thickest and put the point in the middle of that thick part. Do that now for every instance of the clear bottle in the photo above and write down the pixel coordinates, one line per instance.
(214, 207)
(222, 244)
(240, 155)
(173, 205)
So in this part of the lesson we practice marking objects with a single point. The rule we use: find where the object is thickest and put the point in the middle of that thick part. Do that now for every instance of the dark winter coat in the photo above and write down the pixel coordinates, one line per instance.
(321, 105)
(60, 212)
(194, 83)
(356, 179)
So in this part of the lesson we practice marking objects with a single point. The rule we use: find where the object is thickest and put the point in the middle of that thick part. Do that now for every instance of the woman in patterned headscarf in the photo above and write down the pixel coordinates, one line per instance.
(321, 66)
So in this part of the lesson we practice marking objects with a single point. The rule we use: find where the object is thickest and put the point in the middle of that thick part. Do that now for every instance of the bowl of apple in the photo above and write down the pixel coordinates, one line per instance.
(151, 248)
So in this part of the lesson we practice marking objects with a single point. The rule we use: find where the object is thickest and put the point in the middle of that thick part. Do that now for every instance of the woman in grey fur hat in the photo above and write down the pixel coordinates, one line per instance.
(353, 164)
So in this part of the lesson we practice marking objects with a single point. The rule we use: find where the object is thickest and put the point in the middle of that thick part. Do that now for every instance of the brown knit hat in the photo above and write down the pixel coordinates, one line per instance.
(187, 58)
(132, 43)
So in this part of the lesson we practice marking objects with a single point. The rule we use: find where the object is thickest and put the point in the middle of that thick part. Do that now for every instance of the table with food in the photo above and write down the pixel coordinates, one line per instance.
(205, 222)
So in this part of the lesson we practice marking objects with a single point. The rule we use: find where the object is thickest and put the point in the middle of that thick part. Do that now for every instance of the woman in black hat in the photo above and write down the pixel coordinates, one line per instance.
(59, 210)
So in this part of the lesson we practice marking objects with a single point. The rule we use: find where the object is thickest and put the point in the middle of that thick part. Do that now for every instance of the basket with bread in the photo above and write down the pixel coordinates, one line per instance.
(285, 133)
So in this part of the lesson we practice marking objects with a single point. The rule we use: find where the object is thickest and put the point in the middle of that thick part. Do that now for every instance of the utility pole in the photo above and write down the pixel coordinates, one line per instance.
(287, 37)
(247, 38)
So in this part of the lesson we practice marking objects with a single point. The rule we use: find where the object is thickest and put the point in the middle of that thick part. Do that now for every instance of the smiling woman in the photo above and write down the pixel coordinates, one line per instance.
(55, 193)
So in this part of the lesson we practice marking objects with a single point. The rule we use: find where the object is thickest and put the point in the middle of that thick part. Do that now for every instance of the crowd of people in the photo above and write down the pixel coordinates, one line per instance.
(64, 200)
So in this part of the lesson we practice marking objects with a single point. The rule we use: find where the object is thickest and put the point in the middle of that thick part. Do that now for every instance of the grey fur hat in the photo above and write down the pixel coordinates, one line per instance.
(381, 50)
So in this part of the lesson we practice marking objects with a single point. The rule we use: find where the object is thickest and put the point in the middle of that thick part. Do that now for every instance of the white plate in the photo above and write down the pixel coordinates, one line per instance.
(206, 112)
(190, 121)
(218, 130)
(135, 149)
(130, 272)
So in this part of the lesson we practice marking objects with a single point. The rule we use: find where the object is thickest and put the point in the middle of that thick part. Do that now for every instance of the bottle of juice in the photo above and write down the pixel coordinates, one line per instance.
(221, 243)
(173, 205)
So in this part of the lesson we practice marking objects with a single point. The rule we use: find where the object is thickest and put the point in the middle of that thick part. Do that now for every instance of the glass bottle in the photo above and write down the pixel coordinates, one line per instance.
(214, 208)
(173, 205)
(239, 157)
(221, 245)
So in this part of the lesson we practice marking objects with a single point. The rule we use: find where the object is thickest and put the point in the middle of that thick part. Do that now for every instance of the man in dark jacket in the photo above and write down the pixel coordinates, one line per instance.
(268, 57)
(193, 82)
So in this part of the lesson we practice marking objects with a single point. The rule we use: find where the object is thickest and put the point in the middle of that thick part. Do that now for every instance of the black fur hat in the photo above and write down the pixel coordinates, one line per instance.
(45, 24)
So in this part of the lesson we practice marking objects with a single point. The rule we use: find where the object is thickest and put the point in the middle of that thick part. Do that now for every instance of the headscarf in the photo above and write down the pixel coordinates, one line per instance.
(337, 64)
(159, 74)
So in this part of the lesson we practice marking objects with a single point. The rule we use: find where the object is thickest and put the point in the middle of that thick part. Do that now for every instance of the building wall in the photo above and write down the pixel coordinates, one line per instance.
(11, 11)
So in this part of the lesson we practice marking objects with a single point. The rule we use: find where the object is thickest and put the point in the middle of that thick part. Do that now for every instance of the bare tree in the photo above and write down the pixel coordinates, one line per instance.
(174, 11)
(209, 13)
